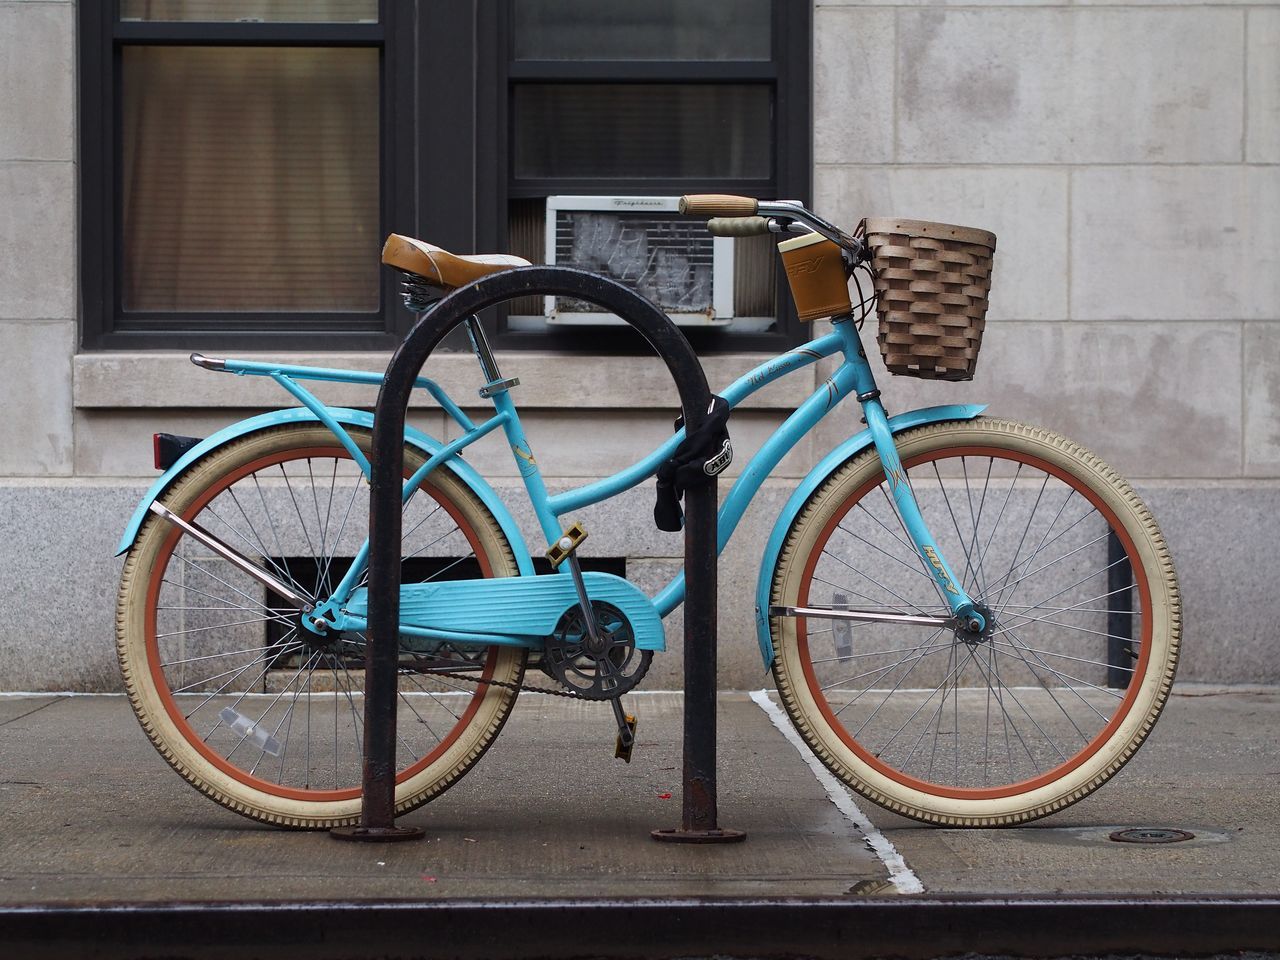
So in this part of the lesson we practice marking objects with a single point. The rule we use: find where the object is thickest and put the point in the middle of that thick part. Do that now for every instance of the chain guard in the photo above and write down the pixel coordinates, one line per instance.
(602, 675)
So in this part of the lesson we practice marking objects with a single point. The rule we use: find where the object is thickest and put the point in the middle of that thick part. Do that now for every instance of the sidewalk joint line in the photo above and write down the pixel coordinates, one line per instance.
(5, 723)
(901, 875)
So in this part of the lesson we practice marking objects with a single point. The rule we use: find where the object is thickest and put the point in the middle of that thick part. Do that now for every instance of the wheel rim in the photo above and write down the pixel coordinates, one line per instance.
(924, 736)
(272, 684)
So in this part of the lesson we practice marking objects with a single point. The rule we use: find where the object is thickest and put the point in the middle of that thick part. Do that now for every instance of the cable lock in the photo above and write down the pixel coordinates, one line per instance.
(701, 455)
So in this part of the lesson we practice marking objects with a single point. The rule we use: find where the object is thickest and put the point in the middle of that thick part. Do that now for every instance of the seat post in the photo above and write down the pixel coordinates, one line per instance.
(480, 346)
(494, 383)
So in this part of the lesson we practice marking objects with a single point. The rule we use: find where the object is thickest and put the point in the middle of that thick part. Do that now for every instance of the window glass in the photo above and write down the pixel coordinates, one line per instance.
(650, 30)
(249, 179)
(251, 11)
(642, 130)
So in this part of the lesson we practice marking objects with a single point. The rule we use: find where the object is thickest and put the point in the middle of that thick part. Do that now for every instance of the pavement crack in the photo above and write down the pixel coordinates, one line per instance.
(5, 723)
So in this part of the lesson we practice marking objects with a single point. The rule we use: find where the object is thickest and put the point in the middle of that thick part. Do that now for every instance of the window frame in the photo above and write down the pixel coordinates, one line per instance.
(425, 49)
(788, 71)
(105, 324)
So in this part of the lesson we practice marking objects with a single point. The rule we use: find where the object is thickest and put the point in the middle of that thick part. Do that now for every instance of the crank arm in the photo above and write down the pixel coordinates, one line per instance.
(584, 602)
(626, 722)
(234, 557)
(865, 616)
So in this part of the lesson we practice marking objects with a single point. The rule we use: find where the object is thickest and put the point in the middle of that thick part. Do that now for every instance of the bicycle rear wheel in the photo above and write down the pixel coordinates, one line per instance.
(1071, 676)
(253, 710)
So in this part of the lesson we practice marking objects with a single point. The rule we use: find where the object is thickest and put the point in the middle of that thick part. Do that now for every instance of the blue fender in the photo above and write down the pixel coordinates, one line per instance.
(355, 418)
(830, 463)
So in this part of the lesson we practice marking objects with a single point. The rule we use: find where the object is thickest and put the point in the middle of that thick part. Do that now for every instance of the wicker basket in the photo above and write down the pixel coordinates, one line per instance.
(932, 281)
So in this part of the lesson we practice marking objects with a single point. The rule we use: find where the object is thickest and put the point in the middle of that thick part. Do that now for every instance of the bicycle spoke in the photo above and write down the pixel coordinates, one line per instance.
(968, 559)
(896, 686)
(261, 718)
(995, 526)
(1054, 562)
(924, 566)
(255, 548)
(881, 671)
(215, 656)
(867, 576)
(1032, 670)
(884, 747)
(879, 549)
(211, 576)
(342, 527)
(302, 524)
(221, 626)
(1068, 679)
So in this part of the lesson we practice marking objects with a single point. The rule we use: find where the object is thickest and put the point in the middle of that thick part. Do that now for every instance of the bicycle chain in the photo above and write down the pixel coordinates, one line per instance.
(518, 687)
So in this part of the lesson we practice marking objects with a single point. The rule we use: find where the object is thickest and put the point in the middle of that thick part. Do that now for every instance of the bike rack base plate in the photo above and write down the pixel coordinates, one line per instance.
(719, 835)
(377, 834)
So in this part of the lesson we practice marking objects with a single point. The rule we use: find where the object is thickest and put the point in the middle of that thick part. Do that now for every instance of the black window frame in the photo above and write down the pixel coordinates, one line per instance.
(105, 324)
(787, 72)
(444, 130)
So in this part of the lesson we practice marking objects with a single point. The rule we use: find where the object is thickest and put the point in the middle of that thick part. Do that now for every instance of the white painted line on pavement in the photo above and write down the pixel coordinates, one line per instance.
(902, 876)
(54, 693)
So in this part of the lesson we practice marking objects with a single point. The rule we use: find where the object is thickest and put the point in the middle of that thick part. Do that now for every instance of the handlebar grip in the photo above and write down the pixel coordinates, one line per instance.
(738, 226)
(718, 205)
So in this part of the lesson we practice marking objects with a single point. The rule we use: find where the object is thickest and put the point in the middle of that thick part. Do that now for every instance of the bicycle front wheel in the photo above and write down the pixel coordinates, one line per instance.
(258, 713)
(1071, 675)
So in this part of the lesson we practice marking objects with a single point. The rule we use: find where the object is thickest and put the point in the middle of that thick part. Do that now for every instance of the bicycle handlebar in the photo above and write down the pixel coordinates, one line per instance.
(738, 226)
(718, 205)
(746, 216)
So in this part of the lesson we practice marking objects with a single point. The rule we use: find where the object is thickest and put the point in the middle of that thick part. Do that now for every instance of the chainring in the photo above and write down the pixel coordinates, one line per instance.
(609, 671)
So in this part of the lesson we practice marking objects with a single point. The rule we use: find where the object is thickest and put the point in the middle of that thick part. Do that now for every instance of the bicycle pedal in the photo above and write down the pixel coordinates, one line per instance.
(569, 541)
(626, 740)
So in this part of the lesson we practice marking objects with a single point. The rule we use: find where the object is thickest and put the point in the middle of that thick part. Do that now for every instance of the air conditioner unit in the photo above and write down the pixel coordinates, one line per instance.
(645, 244)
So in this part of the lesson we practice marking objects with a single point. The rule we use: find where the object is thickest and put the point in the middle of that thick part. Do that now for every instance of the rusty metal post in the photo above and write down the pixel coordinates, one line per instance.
(700, 817)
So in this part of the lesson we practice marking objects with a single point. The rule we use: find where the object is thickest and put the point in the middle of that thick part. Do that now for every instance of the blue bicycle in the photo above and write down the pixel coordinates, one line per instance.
(971, 621)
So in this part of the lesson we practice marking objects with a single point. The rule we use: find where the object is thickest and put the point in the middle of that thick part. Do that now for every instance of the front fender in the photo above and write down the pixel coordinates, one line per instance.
(348, 417)
(854, 445)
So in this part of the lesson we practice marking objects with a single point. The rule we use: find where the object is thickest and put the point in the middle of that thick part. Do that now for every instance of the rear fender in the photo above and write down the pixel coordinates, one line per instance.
(346, 417)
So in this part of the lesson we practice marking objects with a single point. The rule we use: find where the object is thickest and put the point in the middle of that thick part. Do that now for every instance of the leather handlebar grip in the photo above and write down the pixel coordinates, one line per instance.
(718, 205)
(737, 226)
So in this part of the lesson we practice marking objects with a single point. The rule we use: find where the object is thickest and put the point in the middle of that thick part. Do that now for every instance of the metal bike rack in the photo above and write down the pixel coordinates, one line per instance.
(377, 817)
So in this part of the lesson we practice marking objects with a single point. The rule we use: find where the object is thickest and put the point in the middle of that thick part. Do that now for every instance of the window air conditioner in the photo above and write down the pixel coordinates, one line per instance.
(645, 244)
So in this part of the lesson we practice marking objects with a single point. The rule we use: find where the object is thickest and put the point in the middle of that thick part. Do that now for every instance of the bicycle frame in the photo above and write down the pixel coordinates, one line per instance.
(852, 377)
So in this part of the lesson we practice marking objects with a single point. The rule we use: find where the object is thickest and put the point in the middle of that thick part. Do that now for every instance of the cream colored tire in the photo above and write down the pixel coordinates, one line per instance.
(963, 732)
(186, 622)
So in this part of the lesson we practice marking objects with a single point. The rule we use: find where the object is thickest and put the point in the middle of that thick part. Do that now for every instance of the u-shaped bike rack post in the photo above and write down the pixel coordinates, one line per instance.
(377, 818)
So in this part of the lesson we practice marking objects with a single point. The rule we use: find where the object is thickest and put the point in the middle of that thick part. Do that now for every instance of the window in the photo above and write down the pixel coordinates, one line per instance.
(662, 98)
(243, 160)
(239, 170)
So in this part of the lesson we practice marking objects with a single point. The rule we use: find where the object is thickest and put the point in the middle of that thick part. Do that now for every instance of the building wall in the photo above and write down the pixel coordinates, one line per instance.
(1127, 155)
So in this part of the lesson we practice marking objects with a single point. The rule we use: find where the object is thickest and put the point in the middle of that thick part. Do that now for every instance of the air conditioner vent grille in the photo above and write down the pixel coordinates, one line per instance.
(669, 260)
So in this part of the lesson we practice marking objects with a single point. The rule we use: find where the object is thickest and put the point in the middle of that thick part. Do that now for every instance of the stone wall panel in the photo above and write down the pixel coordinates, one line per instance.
(1031, 85)
(1175, 243)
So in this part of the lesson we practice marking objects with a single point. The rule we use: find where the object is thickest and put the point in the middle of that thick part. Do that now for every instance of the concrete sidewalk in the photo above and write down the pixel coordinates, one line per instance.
(94, 816)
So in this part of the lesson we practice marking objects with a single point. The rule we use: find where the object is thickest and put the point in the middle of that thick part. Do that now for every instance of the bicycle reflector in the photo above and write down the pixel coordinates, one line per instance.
(169, 447)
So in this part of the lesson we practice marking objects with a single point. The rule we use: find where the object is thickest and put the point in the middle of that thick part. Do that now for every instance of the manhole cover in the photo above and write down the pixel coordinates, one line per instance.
(1151, 835)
